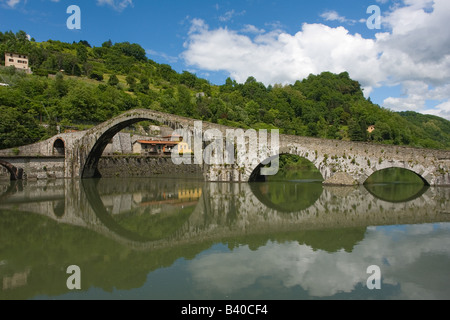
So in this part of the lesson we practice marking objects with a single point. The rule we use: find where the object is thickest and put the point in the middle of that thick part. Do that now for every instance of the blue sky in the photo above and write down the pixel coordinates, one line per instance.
(404, 65)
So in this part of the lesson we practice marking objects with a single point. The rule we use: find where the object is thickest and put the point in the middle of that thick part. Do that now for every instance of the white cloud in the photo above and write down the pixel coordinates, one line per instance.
(230, 14)
(197, 26)
(332, 15)
(415, 48)
(117, 5)
(441, 110)
(248, 28)
(415, 96)
(10, 3)
(278, 57)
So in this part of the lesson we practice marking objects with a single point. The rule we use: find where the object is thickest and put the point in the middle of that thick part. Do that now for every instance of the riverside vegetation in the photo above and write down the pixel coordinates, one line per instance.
(98, 83)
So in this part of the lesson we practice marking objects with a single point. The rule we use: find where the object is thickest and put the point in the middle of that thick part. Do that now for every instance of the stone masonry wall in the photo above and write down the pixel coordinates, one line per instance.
(138, 166)
(39, 168)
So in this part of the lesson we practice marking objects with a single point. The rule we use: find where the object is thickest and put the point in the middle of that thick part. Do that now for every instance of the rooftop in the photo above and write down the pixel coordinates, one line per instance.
(157, 142)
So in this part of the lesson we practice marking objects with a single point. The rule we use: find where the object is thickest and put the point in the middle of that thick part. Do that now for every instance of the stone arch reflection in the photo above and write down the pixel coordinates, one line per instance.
(396, 175)
(287, 196)
(396, 193)
(396, 185)
(11, 188)
(135, 212)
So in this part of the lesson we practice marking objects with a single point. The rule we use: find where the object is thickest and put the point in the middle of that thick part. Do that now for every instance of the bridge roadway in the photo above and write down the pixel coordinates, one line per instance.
(340, 162)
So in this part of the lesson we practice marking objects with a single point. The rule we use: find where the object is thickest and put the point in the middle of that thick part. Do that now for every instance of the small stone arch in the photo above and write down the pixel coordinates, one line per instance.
(59, 147)
(255, 175)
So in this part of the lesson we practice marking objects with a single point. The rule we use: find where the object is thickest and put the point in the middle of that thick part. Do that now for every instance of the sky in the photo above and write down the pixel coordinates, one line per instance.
(401, 56)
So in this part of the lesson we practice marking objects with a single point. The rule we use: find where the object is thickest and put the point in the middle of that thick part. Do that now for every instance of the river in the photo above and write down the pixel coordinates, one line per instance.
(164, 238)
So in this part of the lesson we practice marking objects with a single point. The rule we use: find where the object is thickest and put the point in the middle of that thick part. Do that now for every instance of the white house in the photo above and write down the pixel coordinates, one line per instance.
(19, 61)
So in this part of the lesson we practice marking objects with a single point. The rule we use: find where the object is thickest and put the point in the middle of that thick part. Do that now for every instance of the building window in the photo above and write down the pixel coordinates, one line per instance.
(11, 60)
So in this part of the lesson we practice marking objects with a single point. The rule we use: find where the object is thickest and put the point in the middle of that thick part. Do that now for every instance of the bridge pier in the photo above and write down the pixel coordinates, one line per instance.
(341, 179)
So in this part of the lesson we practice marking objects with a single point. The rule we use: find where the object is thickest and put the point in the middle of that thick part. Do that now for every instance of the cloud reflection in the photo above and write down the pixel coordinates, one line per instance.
(416, 259)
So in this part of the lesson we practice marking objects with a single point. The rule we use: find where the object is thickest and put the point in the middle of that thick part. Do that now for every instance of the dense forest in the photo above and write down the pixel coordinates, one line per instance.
(77, 86)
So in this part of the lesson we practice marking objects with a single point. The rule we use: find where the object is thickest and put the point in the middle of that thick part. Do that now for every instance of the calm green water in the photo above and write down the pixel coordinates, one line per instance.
(167, 238)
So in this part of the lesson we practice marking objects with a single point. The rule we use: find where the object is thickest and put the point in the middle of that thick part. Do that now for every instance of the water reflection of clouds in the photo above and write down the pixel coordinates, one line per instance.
(417, 262)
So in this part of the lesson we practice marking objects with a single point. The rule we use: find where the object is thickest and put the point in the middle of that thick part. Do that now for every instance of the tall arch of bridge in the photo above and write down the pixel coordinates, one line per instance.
(86, 152)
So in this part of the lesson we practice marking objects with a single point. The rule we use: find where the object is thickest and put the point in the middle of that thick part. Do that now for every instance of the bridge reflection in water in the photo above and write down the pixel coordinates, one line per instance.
(118, 231)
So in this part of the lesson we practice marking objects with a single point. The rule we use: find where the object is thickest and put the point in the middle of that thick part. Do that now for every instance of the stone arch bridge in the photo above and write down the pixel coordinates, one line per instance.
(340, 162)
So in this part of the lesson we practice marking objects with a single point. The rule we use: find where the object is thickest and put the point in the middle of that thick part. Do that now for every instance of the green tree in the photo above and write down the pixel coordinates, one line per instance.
(143, 85)
(131, 81)
(382, 132)
(188, 79)
(113, 80)
(82, 53)
(357, 130)
(132, 50)
(253, 109)
(107, 44)
(96, 76)
(184, 104)
(60, 85)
